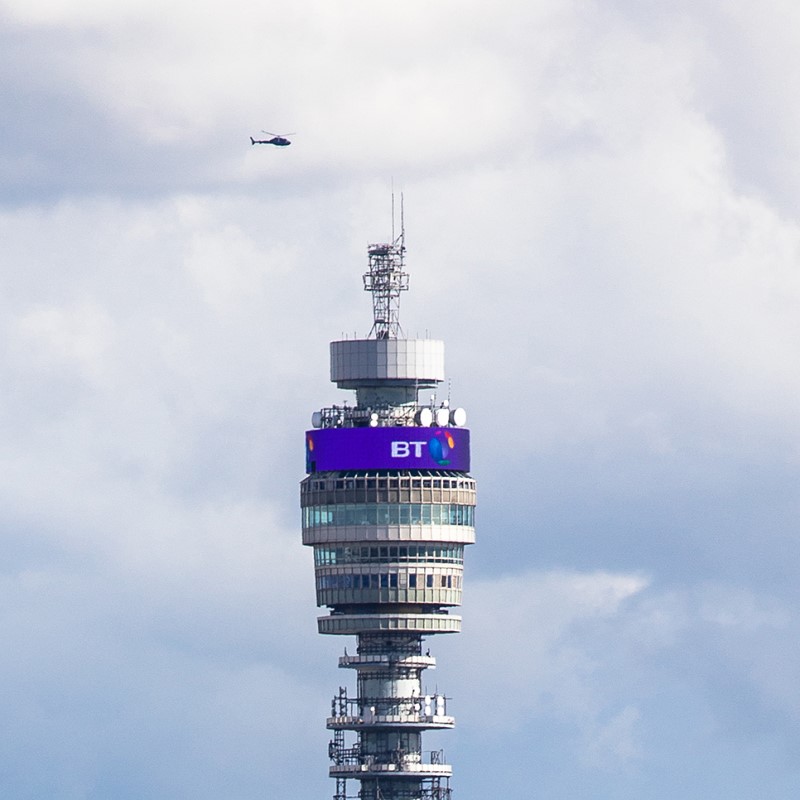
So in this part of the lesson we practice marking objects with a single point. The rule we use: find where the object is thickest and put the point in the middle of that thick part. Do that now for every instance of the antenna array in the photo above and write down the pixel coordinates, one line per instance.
(385, 279)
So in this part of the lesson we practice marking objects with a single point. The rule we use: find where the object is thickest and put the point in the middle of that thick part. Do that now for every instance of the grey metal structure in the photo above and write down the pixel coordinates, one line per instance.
(388, 547)
(386, 279)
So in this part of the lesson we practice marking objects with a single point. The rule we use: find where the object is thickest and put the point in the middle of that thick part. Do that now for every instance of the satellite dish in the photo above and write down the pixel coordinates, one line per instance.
(424, 417)
(373, 419)
(442, 417)
(458, 417)
(316, 419)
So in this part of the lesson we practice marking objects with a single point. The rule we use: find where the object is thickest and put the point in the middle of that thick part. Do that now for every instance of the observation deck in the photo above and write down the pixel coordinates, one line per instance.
(349, 624)
(419, 722)
(401, 770)
(381, 661)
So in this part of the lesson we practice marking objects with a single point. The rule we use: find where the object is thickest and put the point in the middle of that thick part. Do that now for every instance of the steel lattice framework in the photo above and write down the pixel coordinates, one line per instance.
(386, 279)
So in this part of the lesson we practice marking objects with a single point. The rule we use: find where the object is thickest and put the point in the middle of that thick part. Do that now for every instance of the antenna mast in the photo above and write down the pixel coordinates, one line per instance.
(385, 279)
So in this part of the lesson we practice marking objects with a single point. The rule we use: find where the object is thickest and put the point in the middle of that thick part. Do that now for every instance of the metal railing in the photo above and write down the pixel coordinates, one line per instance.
(366, 709)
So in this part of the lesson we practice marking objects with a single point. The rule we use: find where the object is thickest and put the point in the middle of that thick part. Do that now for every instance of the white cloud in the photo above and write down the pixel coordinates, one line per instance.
(596, 654)
(520, 647)
(597, 225)
(616, 741)
(727, 608)
(76, 337)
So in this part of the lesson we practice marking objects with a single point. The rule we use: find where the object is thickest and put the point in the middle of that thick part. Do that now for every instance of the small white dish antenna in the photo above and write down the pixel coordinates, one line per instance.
(424, 417)
(458, 417)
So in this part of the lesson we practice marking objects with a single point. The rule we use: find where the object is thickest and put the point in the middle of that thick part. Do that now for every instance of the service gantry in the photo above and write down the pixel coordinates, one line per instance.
(388, 506)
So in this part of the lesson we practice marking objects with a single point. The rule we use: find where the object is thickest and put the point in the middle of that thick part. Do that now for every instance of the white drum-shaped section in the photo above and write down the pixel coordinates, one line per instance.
(358, 362)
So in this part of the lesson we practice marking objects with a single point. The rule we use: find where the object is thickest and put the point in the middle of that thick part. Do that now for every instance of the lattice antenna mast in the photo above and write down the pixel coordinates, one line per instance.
(385, 280)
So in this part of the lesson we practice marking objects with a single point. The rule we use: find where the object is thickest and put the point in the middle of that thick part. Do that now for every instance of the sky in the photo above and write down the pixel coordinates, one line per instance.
(601, 221)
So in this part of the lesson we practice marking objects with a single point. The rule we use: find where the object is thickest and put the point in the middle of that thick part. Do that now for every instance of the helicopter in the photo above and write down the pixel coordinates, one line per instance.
(279, 140)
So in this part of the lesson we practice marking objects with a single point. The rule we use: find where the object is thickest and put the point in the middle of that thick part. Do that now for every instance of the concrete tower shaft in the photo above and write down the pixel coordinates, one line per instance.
(388, 506)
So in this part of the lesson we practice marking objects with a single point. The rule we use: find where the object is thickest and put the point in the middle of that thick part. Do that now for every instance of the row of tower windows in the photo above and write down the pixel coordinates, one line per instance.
(458, 496)
(329, 556)
(387, 482)
(392, 580)
(389, 514)
(396, 674)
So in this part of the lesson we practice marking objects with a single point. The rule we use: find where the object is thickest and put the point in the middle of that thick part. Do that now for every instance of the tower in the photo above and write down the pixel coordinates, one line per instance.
(388, 506)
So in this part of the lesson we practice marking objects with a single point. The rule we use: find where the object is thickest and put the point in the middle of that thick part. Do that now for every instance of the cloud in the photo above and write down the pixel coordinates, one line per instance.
(600, 657)
(597, 220)
(521, 651)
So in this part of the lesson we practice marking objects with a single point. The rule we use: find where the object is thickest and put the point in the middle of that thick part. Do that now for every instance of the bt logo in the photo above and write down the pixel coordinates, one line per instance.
(439, 447)
(403, 449)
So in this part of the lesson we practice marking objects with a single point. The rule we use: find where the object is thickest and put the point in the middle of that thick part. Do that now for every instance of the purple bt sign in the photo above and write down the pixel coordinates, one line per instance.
(330, 449)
